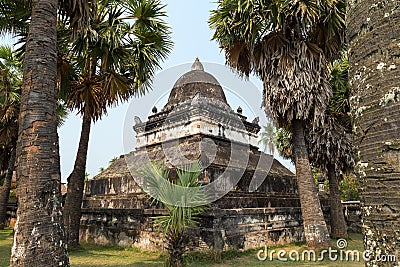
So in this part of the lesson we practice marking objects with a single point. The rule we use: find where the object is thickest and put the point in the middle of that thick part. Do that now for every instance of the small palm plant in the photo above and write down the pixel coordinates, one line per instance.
(184, 199)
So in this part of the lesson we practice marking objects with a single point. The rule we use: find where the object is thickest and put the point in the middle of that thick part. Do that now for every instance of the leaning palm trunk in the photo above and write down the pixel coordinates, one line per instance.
(374, 74)
(76, 181)
(315, 229)
(5, 190)
(338, 223)
(39, 231)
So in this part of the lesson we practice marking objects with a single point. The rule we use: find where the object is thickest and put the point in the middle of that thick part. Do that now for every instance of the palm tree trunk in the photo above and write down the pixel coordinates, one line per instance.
(176, 244)
(76, 181)
(338, 223)
(315, 229)
(5, 190)
(39, 231)
(374, 74)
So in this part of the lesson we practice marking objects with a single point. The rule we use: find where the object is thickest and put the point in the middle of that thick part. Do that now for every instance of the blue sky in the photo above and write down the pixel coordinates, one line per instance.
(192, 38)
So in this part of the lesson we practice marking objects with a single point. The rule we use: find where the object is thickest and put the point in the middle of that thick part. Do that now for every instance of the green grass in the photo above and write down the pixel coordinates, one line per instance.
(5, 247)
(91, 255)
(248, 258)
(108, 256)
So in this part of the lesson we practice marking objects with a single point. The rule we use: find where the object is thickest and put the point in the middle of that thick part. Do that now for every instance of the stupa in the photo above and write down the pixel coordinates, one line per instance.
(259, 203)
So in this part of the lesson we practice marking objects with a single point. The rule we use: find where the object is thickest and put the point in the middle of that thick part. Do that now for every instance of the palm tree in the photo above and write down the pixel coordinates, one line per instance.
(10, 86)
(330, 147)
(39, 232)
(6, 188)
(114, 61)
(287, 44)
(267, 138)
(330, 150)
(373, 32)
(10, 93)
(184, 201)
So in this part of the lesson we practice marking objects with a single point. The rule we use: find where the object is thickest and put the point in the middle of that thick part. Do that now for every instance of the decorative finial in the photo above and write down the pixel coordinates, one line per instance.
(154, 110)
(137, 120)
(256, 120)
(197, 65)
(239, 110)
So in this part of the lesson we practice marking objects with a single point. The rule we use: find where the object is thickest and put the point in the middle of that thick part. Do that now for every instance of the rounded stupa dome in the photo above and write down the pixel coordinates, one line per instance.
(196, 81)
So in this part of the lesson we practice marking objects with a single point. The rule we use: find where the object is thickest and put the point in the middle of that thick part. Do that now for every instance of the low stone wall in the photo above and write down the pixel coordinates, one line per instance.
(352, 214)
(218, 229)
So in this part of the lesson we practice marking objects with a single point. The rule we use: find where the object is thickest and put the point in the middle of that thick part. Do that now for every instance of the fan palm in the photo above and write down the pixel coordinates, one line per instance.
(330, 147)
(184, 201)
(112, 62)
(287, 44)
(330, 150)
(39, 232)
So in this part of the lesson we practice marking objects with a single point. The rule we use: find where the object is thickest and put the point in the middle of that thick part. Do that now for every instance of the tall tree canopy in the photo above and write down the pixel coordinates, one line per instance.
(102, 67)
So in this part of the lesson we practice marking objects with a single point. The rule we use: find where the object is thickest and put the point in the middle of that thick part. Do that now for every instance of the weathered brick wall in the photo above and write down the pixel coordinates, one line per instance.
(239, 228)
(218, 229)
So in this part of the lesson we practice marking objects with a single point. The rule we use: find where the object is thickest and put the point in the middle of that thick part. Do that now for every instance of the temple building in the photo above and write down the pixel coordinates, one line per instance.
(256, 199)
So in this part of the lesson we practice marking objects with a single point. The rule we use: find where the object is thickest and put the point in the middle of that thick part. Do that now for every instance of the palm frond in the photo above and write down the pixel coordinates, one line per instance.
(283, 43)
(339, 105)
(87, 97)
(76, 13)
(283, 142)
(331, 144)
(61, 113)
(15, 16)
(121, 51)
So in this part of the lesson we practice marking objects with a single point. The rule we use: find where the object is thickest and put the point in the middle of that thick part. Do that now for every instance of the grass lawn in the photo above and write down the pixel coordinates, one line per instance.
(107, 256)
(5, 247)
